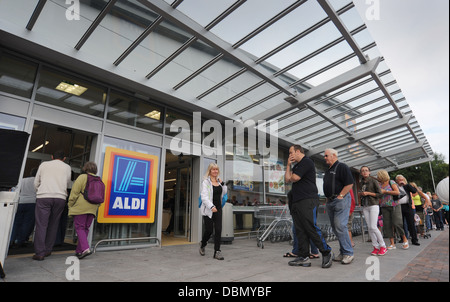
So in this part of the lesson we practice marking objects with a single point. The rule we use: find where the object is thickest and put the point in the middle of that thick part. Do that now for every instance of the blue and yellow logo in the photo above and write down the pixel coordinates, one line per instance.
(130, 180)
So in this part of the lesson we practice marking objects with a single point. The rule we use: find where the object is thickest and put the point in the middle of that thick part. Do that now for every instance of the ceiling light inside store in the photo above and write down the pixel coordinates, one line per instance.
(74, 89)
(155, 114)
(40, 146)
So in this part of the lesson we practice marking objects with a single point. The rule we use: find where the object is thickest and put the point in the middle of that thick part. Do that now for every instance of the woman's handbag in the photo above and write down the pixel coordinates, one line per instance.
(402, 198)
(399, 196)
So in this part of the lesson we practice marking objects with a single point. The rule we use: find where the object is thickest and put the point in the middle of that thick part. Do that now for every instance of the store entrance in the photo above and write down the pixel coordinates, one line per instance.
(177, 205)
(46, 139)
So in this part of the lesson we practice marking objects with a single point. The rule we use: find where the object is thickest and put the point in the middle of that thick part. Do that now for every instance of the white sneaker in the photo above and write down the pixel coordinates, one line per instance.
(218, 255)
(347, 259)
(201, 250)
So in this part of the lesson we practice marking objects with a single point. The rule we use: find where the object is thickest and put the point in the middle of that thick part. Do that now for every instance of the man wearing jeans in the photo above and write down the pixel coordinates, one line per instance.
(337, 183)
(51, 182)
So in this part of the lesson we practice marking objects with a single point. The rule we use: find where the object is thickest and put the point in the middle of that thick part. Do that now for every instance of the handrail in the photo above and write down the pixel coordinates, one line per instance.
(126, 239)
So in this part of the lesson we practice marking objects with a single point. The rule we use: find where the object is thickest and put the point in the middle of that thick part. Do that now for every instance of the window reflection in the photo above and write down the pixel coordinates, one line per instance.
(172, 116)
(17, 75)
(67, 91)
(11, 122)
(135, 112)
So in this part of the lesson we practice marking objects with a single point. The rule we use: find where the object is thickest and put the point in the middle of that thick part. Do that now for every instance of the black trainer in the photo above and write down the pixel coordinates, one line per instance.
(300, 261)
(327, 260)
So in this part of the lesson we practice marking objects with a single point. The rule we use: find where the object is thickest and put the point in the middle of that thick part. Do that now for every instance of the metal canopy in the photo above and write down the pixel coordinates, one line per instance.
(311, 65)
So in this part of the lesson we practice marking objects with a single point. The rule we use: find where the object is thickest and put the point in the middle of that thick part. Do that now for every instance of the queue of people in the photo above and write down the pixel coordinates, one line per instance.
(401, 207)
(394, 205)
(46, 193)
(381, 197)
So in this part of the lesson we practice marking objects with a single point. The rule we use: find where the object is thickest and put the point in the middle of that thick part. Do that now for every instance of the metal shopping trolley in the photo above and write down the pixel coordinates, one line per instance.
(275, 224)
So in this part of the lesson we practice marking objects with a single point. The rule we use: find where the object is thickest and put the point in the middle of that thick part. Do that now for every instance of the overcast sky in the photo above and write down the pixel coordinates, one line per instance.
(413, 37)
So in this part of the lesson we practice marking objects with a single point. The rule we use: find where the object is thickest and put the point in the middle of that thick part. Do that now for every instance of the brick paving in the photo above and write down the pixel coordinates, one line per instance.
(431, 265)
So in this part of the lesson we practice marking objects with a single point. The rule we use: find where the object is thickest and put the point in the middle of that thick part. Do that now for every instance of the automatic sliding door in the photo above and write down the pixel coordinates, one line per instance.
(182, 202)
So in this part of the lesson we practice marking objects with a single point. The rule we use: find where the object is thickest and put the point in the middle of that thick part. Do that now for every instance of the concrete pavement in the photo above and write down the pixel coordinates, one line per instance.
(244, 262)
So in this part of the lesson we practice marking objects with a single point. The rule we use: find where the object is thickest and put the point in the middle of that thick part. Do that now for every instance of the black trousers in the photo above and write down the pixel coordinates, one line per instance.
(213, 224)
(304, 215)
(408, 214)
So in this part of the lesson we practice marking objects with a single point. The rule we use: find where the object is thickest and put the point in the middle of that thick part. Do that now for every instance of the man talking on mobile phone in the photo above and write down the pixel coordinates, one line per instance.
(305, 201)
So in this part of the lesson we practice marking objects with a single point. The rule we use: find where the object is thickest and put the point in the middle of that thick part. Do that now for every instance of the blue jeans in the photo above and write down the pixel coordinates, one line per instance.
(314, 249)
(438, 220)
(428, 222)
(339, 211)
(23, 223)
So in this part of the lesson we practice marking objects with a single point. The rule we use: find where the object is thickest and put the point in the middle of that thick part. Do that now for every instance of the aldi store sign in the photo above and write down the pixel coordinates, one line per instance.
(130, 180)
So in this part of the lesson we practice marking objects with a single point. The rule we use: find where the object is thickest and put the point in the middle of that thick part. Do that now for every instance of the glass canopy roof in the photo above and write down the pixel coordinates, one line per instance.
(311, 65)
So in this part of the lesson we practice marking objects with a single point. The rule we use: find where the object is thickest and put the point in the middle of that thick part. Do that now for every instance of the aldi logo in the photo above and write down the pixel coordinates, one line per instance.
(130, 179)
(131, 176)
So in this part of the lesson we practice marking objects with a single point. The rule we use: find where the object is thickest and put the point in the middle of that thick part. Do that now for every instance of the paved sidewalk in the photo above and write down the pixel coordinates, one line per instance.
(244, 262)
(431, 265)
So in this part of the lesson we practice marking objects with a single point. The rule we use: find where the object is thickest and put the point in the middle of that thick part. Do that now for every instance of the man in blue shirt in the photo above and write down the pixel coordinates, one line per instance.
(304, 205)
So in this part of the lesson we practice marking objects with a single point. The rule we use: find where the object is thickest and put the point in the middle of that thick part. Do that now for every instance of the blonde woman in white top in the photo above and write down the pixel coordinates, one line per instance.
(213, 190)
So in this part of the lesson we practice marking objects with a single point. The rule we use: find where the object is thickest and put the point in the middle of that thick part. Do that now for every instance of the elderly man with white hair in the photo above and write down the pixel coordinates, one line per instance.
(337, 183)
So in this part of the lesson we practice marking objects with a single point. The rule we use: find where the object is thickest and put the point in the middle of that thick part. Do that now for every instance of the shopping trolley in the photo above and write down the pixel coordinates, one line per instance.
(275, 224)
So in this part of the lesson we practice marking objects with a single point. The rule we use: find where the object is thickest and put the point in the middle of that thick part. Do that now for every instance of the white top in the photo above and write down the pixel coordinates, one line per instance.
(52, 179)
(207, 197)
(27, 191)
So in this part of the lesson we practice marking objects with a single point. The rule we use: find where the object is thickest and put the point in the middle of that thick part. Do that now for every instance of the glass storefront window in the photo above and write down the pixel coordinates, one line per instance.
(17, 75)
(275, 187)
(132, 111)
(67, 91)
(172, 116)
(274, 170)
(321, 167)
(11, 122)
(245, 179)
(126, 230)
